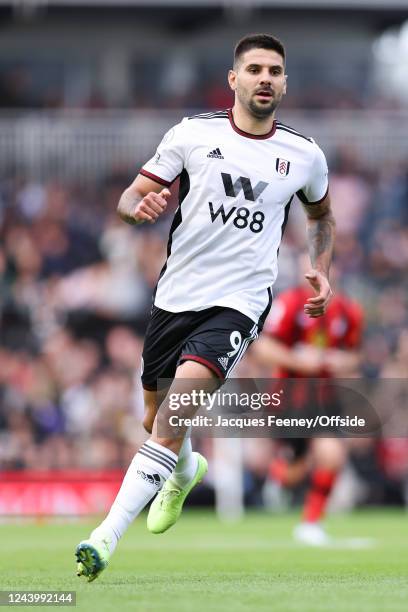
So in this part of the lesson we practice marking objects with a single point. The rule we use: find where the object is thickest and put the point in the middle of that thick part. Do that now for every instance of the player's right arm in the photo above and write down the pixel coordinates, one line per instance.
(143, 200)
(146, 198)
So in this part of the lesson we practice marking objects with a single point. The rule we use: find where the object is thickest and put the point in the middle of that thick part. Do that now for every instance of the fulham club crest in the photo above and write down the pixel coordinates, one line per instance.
(282, 167)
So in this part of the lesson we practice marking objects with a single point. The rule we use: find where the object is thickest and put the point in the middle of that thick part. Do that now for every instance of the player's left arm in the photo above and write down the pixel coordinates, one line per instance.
(320, 233)
(320, 236)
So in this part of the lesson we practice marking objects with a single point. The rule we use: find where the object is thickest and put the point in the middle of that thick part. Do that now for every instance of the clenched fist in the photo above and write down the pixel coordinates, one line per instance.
(152, 205)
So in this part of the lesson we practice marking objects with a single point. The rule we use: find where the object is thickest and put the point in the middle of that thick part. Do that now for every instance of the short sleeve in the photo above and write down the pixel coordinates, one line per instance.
(317, 186)
(169, 160)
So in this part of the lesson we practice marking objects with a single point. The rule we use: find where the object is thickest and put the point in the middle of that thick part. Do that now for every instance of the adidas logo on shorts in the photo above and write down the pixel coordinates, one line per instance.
(224, 362)
(216, 154)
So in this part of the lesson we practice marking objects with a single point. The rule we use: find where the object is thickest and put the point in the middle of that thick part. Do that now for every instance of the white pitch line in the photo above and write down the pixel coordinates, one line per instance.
(352, 543)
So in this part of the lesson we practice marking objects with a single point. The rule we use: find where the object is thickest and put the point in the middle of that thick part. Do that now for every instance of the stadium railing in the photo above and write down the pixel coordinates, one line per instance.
(84, 145)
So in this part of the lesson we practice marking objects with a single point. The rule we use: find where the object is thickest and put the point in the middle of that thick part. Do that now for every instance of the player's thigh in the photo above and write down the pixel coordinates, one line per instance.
(329, 453)
(165, 335)
(190, 376)
(208, 356)
(189, 369)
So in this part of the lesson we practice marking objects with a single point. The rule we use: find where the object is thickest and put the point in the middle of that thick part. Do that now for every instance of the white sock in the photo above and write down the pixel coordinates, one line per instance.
(186, 467)
(147, 473)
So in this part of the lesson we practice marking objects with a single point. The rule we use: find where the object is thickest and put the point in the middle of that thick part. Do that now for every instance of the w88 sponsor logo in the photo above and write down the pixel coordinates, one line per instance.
(243, 217)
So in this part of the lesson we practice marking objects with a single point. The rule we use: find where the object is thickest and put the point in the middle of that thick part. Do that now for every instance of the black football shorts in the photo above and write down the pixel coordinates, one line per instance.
(216, 337)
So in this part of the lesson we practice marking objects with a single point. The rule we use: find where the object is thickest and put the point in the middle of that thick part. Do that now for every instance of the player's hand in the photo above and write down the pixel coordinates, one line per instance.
(316, 306)
(152, 205)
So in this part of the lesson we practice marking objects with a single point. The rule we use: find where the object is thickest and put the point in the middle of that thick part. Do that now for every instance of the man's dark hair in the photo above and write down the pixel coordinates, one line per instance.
(258, 41)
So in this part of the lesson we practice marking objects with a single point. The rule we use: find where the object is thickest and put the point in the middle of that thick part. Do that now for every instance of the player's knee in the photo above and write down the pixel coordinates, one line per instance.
(173, 444)
(329, 453)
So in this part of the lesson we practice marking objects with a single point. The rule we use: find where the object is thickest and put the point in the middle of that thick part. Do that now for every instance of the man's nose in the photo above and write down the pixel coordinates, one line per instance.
(265, 78)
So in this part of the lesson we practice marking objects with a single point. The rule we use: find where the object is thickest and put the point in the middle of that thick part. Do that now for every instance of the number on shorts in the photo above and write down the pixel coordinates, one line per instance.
(236, 341)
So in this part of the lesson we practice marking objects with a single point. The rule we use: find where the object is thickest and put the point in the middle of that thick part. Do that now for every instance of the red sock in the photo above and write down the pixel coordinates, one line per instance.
(321, 486)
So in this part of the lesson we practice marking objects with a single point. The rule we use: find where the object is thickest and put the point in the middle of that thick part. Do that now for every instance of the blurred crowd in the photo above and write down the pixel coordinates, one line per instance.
(76, 286)
(183, 82)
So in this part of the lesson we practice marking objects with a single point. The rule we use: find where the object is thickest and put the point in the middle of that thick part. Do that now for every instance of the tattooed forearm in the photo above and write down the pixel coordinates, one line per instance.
(321, 232)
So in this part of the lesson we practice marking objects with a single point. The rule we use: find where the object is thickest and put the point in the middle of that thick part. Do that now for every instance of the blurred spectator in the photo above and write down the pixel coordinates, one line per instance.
(183, 81)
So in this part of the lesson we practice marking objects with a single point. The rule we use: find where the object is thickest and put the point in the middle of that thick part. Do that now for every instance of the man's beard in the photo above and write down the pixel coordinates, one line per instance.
(262, 112)
(258, 111)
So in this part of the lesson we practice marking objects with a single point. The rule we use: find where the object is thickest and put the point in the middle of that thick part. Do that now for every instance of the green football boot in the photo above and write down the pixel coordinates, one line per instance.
(166, 508)
(92, 556)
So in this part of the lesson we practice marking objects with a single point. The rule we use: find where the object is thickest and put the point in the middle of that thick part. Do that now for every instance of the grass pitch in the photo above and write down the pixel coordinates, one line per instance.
(202, 565)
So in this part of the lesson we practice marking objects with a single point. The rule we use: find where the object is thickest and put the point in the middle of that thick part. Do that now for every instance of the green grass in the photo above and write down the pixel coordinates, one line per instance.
(204, 566)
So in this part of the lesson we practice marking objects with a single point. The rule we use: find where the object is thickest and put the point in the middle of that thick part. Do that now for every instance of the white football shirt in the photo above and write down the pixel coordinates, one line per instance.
(235, 194)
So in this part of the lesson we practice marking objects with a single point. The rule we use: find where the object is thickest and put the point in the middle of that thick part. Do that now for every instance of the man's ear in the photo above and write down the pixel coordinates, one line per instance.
(286, 84)
(232, 79)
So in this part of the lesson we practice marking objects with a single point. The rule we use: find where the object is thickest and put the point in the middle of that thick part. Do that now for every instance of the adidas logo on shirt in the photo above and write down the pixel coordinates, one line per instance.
(216, 154)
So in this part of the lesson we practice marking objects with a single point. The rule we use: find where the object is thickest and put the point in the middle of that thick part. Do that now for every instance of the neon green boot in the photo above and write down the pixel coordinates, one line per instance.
(166, 508)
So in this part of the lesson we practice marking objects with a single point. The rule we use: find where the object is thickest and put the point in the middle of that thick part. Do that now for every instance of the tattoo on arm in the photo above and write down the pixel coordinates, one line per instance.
(320, 232)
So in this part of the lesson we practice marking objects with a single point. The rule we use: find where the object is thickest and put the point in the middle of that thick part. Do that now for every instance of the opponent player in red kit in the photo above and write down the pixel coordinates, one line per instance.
(297, 346)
